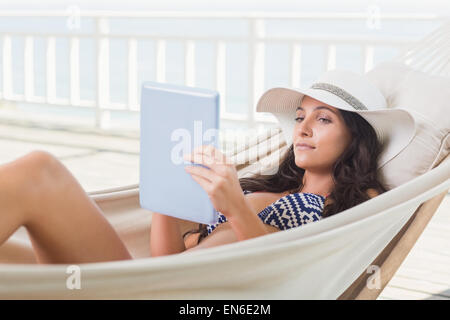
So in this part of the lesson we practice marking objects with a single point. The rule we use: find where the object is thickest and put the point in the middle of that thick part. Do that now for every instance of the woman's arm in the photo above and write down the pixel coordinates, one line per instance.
(165, 236)
(245, 222)
(191, 240)
(221, 183)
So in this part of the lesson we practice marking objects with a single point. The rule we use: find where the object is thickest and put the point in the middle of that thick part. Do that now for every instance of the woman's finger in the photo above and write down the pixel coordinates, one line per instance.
(202, 172)
(212, 152)
(204, 183)
(203, 159)
(206, 149)
(217, 155)
(218, 168)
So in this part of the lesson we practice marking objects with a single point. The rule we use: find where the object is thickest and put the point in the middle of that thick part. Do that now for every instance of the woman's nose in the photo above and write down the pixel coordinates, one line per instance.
(304, 128)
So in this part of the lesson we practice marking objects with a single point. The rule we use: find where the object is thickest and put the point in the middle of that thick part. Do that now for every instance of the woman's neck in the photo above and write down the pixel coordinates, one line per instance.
(318, 183)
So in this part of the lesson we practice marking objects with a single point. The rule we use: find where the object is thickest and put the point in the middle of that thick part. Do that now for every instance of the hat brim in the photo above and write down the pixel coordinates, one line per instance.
(395, 128)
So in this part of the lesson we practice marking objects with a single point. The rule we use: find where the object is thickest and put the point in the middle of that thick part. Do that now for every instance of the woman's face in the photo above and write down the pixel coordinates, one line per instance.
(321, 126)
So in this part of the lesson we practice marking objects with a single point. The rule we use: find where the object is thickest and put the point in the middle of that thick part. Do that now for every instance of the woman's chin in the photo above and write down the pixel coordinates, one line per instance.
(301, 163)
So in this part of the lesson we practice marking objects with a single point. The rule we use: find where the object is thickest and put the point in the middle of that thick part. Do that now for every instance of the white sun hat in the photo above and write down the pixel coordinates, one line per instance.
(350, 91)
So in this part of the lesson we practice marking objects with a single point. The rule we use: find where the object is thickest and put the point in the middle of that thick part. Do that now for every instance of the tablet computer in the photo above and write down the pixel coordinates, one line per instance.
(175, 119)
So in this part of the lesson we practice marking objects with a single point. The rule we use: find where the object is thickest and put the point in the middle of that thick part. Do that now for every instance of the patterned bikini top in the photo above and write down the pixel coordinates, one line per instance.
(290, 211)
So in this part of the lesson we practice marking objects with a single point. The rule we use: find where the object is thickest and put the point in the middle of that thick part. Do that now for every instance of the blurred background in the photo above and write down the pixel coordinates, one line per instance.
(92, 56)
(71, 73)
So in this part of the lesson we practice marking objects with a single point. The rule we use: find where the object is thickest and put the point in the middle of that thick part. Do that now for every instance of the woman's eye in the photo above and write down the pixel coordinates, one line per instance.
(321, 119)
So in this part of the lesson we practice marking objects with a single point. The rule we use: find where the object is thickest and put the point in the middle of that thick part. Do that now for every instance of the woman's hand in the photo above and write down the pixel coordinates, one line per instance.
(220, 182)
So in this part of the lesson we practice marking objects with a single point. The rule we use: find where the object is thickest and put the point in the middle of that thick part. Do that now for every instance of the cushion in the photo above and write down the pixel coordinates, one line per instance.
(428, 99)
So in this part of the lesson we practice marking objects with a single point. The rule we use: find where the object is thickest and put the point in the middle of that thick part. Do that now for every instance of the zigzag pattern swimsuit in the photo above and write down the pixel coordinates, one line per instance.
(290, 211)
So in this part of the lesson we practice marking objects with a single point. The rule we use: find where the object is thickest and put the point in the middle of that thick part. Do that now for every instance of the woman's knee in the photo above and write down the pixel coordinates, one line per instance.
(41, 164)
(42, 171)
(23, 180)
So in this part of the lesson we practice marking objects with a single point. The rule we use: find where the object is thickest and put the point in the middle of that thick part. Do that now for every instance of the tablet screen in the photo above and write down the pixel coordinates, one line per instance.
(174, 120)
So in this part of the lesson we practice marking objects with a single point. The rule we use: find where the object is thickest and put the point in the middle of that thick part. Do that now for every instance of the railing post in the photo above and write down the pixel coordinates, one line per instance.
(102, 70)
(51, 70)
(256, 65)
(368, 58)
(256, 70)
(74, 52)
(296, 65)
(132, 74)
(220, 74)
(29, 68)
(7, 68)
(161, 61)
(330, 56)
(189, 63)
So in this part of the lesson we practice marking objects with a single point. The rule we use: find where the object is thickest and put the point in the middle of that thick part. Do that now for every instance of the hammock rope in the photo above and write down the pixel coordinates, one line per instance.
(431, 54)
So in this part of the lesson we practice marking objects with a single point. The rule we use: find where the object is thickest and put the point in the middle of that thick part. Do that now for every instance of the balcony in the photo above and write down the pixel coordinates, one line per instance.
(77, 71)
(70, 84)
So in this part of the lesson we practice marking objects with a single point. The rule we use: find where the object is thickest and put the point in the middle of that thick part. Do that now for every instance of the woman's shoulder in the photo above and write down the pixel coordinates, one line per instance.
(372, 192)
(261, 199)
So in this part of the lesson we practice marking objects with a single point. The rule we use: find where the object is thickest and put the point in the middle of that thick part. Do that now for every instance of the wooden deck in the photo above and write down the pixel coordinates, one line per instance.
(101, 161)
(425, 273)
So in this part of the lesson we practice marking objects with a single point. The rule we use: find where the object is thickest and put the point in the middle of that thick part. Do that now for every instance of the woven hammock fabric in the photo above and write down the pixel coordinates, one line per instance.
(317, 261)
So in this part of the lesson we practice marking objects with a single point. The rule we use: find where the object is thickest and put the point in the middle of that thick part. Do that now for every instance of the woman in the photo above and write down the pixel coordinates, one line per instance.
(66, 226)
(339, 131)
(318, 164)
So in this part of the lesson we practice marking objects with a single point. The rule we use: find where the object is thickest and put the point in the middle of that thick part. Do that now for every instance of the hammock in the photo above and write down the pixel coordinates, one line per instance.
(327, 259)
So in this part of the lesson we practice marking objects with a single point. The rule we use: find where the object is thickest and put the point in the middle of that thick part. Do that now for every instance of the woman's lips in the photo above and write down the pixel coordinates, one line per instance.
(301, 146)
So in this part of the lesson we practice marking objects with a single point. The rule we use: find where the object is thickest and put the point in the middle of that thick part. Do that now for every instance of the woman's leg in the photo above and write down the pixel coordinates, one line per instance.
(64, 224)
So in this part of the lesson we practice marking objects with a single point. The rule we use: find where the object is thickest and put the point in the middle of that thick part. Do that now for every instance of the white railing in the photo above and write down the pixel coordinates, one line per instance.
(256, 40)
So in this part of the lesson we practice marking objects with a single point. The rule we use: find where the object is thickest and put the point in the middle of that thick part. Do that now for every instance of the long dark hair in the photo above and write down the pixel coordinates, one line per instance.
(354, 172)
